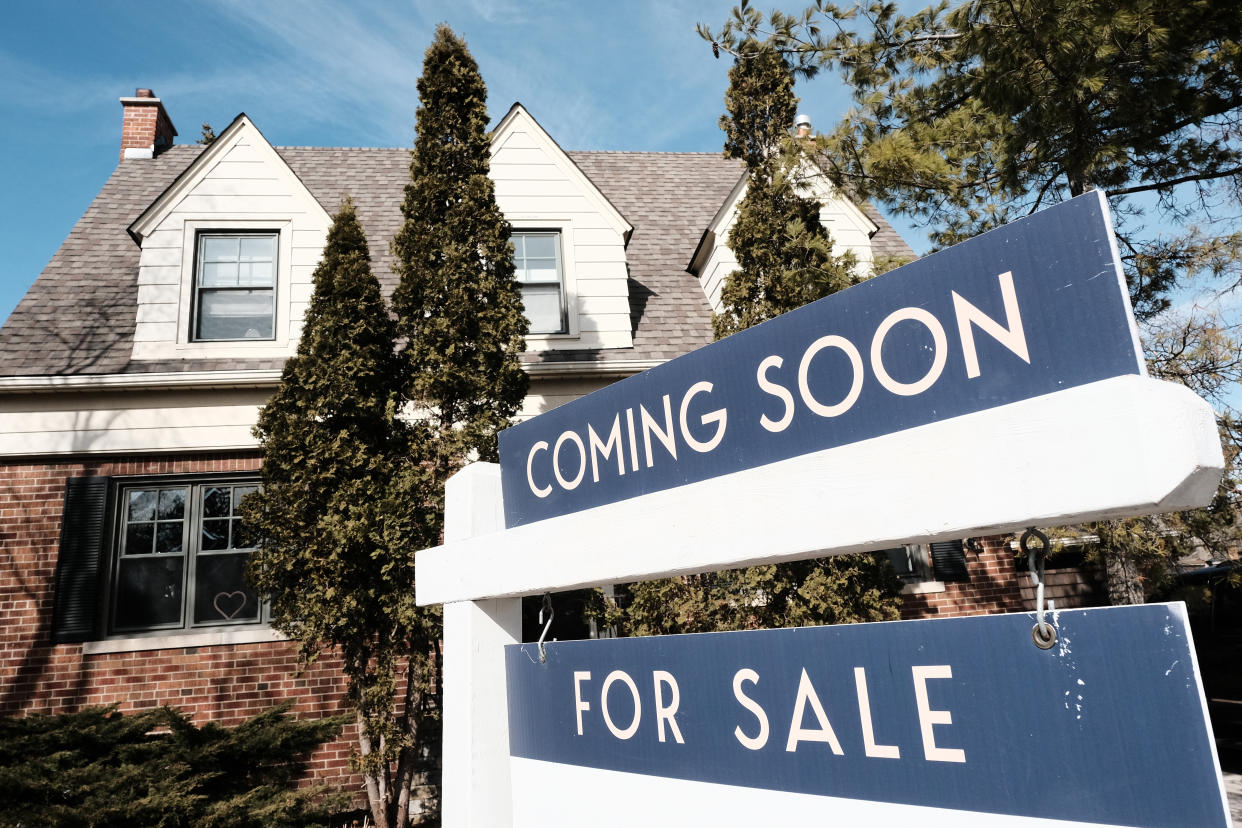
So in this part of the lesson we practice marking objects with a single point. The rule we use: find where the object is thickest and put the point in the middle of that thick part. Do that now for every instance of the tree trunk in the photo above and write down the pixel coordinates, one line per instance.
(1121, 578)
(376, 799)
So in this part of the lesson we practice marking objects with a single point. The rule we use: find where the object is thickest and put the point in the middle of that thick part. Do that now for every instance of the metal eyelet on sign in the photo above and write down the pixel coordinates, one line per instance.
(1043, 634)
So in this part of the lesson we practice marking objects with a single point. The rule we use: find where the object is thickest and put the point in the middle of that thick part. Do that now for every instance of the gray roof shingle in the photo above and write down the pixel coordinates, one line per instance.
(78, 317)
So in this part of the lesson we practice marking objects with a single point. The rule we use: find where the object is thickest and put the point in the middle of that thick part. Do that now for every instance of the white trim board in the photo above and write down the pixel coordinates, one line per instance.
(984, 473)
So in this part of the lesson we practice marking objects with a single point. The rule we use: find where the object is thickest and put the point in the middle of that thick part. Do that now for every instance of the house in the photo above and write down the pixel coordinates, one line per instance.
(132, 371)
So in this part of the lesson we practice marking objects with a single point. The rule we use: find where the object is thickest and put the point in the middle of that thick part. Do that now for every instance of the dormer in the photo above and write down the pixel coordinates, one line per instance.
(227, 255)
(569, 241)
(849, 227)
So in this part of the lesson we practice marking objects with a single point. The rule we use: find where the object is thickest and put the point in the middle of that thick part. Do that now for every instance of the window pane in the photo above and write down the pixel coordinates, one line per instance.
(218, 274)
(141, 504)
(900, 559)
(258, 248)
(148, 592)
(243, 536)
(168, 538)
(543, 309)
(172, 504)
(238, 493)
(219, 248)
(215, 535)
(255, 274)
(216, 502)
(541, 270)
(235, 314)
(221, 594)
(542, 246)
(139, 538)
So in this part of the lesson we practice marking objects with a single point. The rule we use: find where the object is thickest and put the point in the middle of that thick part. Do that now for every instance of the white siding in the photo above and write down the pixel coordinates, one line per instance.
(243, 185)
(118, 421)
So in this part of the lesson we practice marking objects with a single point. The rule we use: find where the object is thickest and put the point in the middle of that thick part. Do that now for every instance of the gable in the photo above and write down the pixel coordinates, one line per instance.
(539, 188)
(237, 185)
(850, 227)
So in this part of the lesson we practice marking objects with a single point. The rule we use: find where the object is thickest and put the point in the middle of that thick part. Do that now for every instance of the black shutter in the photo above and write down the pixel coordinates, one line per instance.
(75, 607)
(949, 561)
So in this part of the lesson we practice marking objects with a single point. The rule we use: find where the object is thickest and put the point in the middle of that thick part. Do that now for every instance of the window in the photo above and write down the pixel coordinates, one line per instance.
(537, 257)
(180, 560)
(153, 555)
(910, 562)
(235, 286)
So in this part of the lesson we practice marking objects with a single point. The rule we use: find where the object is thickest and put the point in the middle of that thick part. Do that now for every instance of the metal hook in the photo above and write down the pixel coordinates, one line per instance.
(1043, 633)
(547, 607)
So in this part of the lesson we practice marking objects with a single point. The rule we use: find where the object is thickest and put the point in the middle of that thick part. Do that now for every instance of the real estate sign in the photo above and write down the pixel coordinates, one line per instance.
(788, 441)
(954, 722)
(1032, 308)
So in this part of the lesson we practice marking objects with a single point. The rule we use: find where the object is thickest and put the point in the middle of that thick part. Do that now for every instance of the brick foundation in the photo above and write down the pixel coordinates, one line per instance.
(224, 684)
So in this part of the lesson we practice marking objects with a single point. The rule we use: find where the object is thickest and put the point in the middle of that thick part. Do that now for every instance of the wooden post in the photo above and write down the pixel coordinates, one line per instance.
(475, 789)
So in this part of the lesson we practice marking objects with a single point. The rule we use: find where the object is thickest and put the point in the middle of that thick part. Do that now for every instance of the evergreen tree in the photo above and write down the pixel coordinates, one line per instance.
(970, 115)
(785, 260)
(208, 136)
(784, 255)
(102, 769)
(341, 512)
(458, 304)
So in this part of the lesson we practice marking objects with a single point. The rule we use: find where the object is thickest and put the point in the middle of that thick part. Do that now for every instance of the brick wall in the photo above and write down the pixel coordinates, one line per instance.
(224, 684)
(996, 585)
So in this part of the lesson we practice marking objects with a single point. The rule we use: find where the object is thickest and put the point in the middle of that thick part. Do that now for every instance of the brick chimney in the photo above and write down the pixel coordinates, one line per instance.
(146, 130)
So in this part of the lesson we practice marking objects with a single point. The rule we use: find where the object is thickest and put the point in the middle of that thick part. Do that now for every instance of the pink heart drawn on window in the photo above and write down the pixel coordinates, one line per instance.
(233, 602)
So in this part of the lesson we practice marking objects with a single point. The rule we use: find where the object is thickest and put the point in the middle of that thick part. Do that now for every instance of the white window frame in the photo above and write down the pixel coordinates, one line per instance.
(279, 344)
(197, 289)
(569, 289)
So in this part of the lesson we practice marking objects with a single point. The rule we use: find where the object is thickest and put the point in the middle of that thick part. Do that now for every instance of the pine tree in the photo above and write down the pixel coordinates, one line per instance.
(341, 512)
(785, 260)
(458, 304)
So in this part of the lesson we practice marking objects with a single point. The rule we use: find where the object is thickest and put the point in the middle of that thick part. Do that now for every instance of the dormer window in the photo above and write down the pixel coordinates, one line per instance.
(235, 287)
(537, 260)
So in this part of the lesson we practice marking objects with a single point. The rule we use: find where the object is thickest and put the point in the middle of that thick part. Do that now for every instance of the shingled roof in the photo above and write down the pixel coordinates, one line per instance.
(78, 317)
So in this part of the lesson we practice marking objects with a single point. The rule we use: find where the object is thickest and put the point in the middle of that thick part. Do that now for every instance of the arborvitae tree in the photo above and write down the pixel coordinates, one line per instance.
(102, 769)
(784, 254)
(458, 305)
(341, 513)
(785, 261)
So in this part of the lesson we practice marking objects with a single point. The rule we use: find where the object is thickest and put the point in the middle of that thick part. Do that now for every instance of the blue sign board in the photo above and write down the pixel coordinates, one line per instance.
(1028, 309)
(1109, 726)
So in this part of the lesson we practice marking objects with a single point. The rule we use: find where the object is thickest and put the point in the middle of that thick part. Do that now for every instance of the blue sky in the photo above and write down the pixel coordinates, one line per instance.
(597, 75)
